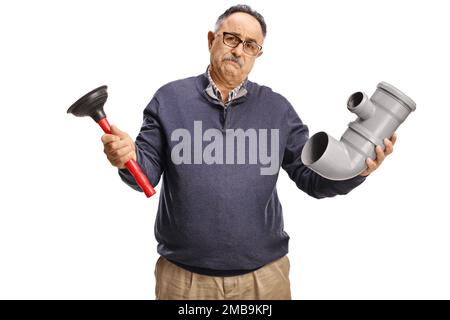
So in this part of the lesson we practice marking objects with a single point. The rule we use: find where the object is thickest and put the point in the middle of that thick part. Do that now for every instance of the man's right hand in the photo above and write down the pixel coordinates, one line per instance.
(118, 147)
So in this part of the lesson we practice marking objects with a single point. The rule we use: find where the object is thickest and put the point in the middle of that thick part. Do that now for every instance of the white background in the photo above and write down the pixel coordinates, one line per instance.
(70, 229)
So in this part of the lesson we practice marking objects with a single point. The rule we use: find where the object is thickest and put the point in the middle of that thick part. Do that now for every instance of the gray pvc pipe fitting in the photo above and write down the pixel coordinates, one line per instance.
(378, 118)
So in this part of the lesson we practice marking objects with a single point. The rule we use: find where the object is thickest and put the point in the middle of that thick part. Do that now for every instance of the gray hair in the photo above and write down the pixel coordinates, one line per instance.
(245, 9)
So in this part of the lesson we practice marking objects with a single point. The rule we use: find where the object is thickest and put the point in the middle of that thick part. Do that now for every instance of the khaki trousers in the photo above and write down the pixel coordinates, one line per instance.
(270, 282)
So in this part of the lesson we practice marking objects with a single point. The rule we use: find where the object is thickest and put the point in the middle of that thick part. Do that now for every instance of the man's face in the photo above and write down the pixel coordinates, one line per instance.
(233, 64)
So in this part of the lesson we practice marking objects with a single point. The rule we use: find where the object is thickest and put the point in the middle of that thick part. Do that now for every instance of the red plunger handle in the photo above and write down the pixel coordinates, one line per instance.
(132, 166)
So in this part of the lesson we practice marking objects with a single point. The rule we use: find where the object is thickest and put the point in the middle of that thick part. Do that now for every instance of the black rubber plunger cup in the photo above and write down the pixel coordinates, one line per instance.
(91, 104)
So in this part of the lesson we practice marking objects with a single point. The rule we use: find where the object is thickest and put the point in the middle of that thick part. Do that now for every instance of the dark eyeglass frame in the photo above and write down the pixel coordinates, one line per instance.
(239, 42)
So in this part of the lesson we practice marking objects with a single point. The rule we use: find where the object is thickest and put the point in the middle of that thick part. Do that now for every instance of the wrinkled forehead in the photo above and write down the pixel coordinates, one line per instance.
(243, 25)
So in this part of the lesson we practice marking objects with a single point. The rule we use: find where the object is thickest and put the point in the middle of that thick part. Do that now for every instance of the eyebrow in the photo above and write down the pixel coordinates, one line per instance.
(246, 39)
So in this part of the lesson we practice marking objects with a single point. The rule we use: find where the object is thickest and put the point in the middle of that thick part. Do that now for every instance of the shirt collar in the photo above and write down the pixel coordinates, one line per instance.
(214, 92)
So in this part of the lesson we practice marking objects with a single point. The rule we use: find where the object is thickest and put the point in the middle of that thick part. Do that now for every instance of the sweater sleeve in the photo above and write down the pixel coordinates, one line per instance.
(150, 145)
(306, 179)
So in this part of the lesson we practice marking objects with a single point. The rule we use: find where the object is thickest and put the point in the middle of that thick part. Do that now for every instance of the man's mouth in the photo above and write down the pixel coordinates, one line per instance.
(234, 62)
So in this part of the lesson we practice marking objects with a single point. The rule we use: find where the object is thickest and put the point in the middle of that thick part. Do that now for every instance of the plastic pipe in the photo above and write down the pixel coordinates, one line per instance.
(378, 118)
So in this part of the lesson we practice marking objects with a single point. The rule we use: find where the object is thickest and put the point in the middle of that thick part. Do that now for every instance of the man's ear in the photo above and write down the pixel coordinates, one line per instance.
(259, 54)
(211, 38)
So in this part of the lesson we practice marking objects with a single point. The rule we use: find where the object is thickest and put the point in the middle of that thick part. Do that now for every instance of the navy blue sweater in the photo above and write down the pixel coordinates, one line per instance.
(219, 210)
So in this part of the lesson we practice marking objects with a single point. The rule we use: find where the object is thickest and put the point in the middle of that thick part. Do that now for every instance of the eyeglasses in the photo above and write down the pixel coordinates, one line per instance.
(250, 47)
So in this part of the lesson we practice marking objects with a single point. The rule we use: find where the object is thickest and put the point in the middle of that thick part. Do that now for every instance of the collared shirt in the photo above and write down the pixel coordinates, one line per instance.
(235, 93)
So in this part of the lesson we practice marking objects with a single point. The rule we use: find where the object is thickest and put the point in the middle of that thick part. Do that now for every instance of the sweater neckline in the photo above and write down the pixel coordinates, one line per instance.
(202, 83)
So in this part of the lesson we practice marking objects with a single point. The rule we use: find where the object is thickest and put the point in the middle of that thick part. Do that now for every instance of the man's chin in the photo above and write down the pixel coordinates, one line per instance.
(231, 69)
(232, 64)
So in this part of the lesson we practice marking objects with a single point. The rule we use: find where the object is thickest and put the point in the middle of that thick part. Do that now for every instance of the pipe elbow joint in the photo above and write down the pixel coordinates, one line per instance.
(378, 118)
(332, 159)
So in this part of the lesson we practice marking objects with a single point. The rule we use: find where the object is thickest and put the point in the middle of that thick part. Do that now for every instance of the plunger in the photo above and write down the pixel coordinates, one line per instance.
(91, 104)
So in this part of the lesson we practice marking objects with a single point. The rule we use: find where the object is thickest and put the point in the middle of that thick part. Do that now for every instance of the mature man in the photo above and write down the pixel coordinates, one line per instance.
(219, 140)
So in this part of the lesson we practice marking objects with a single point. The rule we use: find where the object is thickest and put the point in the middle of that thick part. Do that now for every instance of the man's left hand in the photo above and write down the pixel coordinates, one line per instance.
(373, 165)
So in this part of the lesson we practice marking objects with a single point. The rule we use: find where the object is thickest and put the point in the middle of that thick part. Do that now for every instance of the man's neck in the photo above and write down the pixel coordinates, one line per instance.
(223, 85)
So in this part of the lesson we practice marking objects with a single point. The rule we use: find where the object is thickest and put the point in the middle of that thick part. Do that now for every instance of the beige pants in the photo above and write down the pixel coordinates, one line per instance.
(270, 282)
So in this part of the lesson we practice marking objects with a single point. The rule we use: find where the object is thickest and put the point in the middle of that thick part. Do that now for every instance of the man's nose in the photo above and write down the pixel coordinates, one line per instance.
(238, 50)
